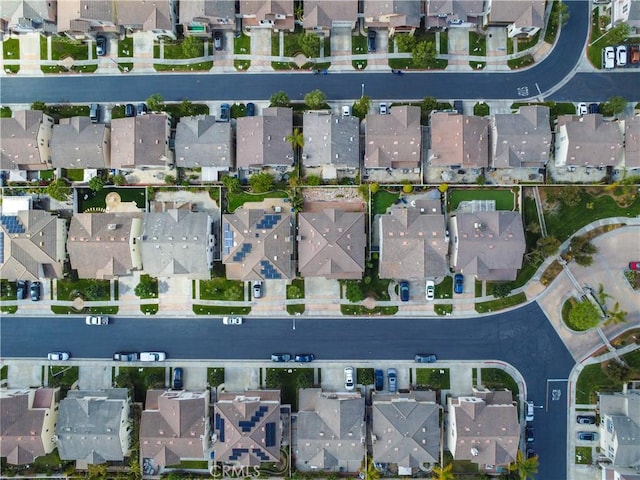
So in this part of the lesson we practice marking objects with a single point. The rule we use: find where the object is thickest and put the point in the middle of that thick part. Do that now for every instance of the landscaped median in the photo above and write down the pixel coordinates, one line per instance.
(607, 376)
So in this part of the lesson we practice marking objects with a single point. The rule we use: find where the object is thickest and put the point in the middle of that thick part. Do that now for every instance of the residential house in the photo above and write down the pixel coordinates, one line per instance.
(203, 143)
(257, 245)
(201, 17)
(612, 472)
(631, 143)
(82, 18)
(174, 427)
(441, 14)
(323, 15)
(521, 140)
(27, 423)
(395, 15)
(413, 241)
(25, 143)
(483, 428)
(79, 143)
(588, 141)
(331, 244)
(275, 14)
(31, 243)
(487, 245)
(458, 141)
(93, 426)
(178, 243)
(247, 427)
(141, 141)
(395, 140)
(24, 16)
(521, 17)
(406, 429)
(331, 143)
(262, 141)
(105, 245)
(620, 427)
(627, 11)
(330, 431)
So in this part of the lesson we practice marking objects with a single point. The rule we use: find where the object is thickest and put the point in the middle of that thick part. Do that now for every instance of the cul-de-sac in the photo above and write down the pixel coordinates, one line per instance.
(320, 239)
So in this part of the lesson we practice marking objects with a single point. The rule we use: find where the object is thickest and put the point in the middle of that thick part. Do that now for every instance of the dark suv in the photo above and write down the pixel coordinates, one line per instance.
(371, 41)
(305, 357)
(35, 291)
(177, 378)
(21, 289)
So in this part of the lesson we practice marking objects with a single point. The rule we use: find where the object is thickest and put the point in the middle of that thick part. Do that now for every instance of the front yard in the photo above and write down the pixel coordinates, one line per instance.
(434, 378)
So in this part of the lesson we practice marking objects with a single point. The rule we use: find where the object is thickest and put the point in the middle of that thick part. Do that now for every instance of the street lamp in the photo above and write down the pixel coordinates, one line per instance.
(362, 91)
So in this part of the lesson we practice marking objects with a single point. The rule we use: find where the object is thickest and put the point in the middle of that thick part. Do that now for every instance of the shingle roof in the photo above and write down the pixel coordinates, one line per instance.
(395, 140)
(522, 13)
(459, 140)
(24, 140)
(395, 13)
(488, 245)
(203, 142)
(140, 140)
(280, 12)
(620, 428)
(522, 139)
(78, 143)
(407, 428)
(323, 13)
(439, 11)
(262, 141)
(632, 142)
(331, 140)
(588, 140)
(220, 13)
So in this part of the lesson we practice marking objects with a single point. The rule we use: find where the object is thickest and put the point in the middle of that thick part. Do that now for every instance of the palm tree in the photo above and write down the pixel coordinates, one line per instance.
(444, 473)
(616, 315)
(296, 139)
(526, 467)
(371, 472)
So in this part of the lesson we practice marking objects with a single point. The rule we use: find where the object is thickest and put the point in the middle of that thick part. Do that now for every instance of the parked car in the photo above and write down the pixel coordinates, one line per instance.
(586, 419)
(21, 289)
(96, 320)
(225, 112)
(125, 357)
(404, 291)
(582, 109)
(379, 379)
(621, 55)
(94, 113)
(609, 57)
(305, 357)
(232, 320)
(217, 40)
(458, 283)
(35, 291)
(346, 111)
(531, 453)
(142, 109)
(257, 289)
(383, 108)
(101, 46)
(392, 377)
(634, 265)
(457, 106)
(349, 381)
(634, 54)
(251, 109)
(593, 108)
(58, 356)
(430, 290)
(280, 357)
(529, 436)
(587, 436)
(425, 358)
(129, 110)
(371, 40)
(153, 356)
(177, 378)
(530, 411)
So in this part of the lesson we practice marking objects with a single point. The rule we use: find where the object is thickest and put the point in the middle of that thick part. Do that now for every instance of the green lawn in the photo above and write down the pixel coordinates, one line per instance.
(494, 378)
(477, 47)
(4, 372)
(500, 303)
(125, 47)
(11, 49)
(521, 62)
(192, 67)
(434, 378)
(359, 47)
(62, 47)
(444, 43)
(525, 43)
(68, 290)
(443, 309)
(174, 50)
(74, 174)
(236, 200)
(63, 377)
(296, 291)
(140, 380)
(191, 464)
(361, 310)
(66, 111)
(445, 288)
(382, 200)
(584, 455)
(221, 289)
(289, 380)
(505, 198)
(97, 199)
(591, 380)
(216, 310)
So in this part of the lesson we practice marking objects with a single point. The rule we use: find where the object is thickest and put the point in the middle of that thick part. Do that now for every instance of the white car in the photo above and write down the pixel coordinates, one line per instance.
(582, 109)
(621, 55)
(383, 109)
(530, 412)
(232, 320)
(349, 381)
(153, 356)
(430, 290)
(58, 356)
(346, 111)
(96, 320)
(257, 289)
(609, 57)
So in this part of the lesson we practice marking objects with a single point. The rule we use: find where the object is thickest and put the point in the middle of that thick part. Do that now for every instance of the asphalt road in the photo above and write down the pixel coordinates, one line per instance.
(542, 77)
(522, 337)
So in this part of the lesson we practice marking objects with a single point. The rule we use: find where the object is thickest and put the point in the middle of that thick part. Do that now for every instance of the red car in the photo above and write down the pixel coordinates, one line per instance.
(634, 265)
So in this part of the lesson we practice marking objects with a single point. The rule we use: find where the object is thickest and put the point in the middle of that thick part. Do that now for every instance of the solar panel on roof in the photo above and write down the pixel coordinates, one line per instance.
(270, 434)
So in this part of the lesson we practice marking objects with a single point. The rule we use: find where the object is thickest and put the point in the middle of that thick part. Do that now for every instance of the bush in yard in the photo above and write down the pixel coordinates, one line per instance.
(119, 179)
(583, 316)
(313, 180)
(570, 195)
(407, 188)
(232, 184)
(361, 107)
(405, 42)
(423, 53)
(374, 188)
(58, 190)
(501, 290)
(155, 102)
(96, 184)
(95, 290)
(315, 99)
(233, 293)
(353, 291)
(147, 288)
(310, 44)
(305, 378)
(261, 182)
(279, 99)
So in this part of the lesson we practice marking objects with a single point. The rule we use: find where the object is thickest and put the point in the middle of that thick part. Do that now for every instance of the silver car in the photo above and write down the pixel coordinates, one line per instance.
(349, 381)
(58, 356)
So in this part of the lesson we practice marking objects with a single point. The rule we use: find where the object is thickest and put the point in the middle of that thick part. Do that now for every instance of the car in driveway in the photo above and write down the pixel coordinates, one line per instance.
(58, 356)
(129, 110)
(349, 379)
(392, 378)
(404, 291)
(529, 414)
(593, 108)
(586, 419)
(217, 40)
(225, 112)
(621, 55)
(21, 289)
(383, 109)
(378, 376)
(609, 57)
(634, 265)
(232, 320)
(177, 378)
(346, 110)
(305, 357)
(582, 109)
(94, 113)
(371, 40)
(35, 291)
(96, 320)
(153, 356)
(458, 283)
(425, 358)
(251, 109)
(430, 290)
(142, 109)
(280, 357)
(587, 436)
(256, 288)
(125, 357)
(101, 46)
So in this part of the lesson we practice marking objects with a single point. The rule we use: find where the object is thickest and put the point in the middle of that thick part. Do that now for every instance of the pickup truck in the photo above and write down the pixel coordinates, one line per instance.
(125, 356)
(153, 356)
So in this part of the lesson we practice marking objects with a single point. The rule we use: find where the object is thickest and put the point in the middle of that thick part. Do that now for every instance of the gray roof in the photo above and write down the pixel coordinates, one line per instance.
(331, 140)
(412, 242)
(78, 143)
(522, 13)
(632, 142)
(330, 430)
(325, 13)
(522, 139)
(262, 141)
(24, 140)
(393, 13)
(177, 243)
(588, 140)
(439, 12)
(203, 142)
(257, 245)
(142, 140)
(331, 244)
(394, 140)
(221, 14)
(278, 13)
(407, 428)
(487, 245)
(620, 427)
(459, 140)
(16, 11)
(90, 424)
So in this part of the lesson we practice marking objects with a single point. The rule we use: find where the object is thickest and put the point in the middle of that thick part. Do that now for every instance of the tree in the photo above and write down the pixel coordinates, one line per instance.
(570, 195)
(296, 139)
(370, 471)
(58, 190)
(361, 107)
(526, 467)
(96, 184)
(547, 246)
(313, 180)
(155, 102)
(119, 179)
(501, 290)
(428, 105)
(192, 47)
(95, 290)
(147, 288)
(186, 107)
(582, 250)
(559, 14)
(261, 182)
(310, 45)
(616, 315)
(444, 473)
(583, 316)
(232, 184)
(618, 34)
(405, 42)
(170, 179)
(38, 105)
(353, 291)
(97, 471)
(423, 53)
(315, 100)
(533, 227)
(618, 371)
(614, 106)
(279, 99)
(233, 292)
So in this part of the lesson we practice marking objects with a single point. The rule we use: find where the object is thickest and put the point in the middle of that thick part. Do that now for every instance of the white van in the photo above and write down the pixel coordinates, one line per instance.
(153, 356)
(609, 57)
(621, 55)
